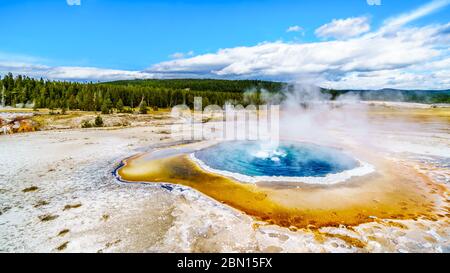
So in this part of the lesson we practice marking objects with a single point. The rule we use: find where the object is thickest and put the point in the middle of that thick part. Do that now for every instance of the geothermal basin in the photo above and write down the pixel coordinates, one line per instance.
(296, 185)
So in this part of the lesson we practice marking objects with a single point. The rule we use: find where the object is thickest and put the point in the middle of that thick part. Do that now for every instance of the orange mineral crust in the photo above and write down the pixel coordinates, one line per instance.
(394, 191)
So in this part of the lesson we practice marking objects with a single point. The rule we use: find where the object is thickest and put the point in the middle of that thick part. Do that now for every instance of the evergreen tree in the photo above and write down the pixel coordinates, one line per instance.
(166, 93)
(106, 107)
(119, 106)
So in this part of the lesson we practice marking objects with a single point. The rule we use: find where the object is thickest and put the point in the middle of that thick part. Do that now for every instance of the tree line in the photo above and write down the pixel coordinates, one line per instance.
(21, 91)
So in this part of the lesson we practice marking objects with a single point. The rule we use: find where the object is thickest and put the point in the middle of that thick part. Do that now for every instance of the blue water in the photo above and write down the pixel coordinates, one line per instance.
(289, 159)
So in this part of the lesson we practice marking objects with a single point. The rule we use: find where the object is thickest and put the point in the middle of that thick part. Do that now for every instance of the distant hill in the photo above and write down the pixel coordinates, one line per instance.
(419, 96)
(236, 86)
(239, 86)
(125, 95)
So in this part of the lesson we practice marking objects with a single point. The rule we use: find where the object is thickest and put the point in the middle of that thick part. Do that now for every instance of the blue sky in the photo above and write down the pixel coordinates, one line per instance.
(138, 35)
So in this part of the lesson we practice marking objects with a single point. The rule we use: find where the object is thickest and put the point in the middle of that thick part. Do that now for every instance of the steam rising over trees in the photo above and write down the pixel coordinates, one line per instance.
(106, 96)
(123, 95)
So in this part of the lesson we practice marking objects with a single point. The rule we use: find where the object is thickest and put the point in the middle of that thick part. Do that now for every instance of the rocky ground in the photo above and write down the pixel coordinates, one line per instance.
(57, 194)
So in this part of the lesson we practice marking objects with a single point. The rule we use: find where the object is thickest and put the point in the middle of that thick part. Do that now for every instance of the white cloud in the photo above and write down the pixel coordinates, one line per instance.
(344, 28)
(413, 57)
(330, 62)
(93, 73)
(370, 52)
(73, 2)
(180, 55)
(397, 57)
(400, 79)
(425, 10)
(69, 72)
(294, 29)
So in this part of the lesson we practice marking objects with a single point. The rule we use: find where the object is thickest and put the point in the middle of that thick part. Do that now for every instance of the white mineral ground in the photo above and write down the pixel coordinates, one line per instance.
(78, 206)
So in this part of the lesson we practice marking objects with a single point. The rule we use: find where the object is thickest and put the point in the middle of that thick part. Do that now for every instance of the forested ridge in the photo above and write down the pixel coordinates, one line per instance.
(418, 96)
(21, 91)
(236, 86)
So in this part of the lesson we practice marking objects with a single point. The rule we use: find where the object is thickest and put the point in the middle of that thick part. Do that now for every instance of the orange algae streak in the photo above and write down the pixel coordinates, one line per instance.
(388, 196)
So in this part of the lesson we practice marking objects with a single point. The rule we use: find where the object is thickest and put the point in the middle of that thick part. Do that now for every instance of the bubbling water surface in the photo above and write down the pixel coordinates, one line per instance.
(288, 159)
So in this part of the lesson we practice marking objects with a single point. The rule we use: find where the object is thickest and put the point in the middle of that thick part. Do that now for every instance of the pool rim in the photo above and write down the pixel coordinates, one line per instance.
(364, 168)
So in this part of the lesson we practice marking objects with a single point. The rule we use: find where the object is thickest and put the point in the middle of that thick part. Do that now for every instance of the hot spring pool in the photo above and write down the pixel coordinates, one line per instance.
(289, 161)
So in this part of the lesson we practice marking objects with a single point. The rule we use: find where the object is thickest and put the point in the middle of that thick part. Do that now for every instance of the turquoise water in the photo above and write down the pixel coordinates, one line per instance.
(289, 159)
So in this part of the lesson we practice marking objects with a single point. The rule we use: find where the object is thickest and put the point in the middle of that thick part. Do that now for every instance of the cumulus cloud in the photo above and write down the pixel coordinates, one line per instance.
(388, 57)
(344, 28)
(73, 2)
(400, 79)
(331, 59)
(294, 29)
(70, 72)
